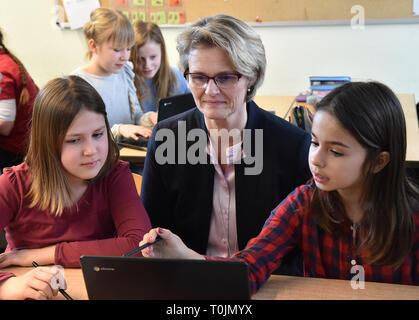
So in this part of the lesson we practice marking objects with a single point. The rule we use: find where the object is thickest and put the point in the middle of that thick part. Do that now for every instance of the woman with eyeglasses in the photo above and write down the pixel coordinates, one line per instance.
(213, 174)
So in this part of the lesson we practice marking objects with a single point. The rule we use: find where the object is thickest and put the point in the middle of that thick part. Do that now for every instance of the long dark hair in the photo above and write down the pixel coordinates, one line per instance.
(371, 112)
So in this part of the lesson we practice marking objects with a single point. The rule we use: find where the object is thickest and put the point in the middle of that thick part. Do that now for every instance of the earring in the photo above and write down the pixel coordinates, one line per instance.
(248, 90)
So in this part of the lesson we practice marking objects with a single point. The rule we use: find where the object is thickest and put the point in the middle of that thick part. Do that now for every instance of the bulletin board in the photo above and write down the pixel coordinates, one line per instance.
(175, 12)
(171, 12)
(157, 11)
(299, 10)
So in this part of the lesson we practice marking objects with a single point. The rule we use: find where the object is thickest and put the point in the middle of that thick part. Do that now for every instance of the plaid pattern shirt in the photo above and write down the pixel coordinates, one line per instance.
(325, 255)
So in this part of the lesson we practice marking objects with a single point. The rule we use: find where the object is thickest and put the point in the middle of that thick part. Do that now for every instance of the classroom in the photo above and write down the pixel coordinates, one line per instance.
(361, 40)
(293, 52)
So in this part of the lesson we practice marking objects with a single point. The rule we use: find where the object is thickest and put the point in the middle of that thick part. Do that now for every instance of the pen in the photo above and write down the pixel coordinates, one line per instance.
(62, 291)
(142, 247)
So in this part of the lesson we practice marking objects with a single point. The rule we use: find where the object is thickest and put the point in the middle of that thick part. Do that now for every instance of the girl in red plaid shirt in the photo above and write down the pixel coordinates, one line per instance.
(360, 209)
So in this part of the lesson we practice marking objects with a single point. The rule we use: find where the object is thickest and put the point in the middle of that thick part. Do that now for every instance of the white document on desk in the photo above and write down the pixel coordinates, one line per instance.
(78, 11)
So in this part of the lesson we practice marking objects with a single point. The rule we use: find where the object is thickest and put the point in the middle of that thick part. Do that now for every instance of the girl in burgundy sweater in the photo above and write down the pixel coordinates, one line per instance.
(71, 196)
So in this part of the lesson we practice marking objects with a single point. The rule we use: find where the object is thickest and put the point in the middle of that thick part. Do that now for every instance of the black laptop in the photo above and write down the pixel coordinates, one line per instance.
(127, 278)
(139, 144)
(174, 105)
(168, 107)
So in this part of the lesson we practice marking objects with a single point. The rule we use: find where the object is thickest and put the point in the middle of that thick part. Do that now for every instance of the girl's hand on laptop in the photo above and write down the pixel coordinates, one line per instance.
(132, 131)
(171, 246)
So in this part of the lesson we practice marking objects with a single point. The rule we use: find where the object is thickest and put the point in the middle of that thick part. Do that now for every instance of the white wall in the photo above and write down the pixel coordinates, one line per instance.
(387, 53)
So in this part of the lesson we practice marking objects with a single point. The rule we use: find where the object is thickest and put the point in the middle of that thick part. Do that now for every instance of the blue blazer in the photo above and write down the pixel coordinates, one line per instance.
(179, 196)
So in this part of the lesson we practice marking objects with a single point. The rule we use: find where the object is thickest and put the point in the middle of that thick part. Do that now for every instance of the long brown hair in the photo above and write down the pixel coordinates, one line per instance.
(372, 113)
(165, 82)
(54, 110)
(24, 94)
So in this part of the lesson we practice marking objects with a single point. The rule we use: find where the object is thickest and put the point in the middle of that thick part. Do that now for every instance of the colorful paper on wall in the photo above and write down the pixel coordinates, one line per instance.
(121, 3)
(157, 11)
(173, 18)
(158, 17)
(139, 3)
(157, 3)
(182, 17)
(137, 15)
(173, 3)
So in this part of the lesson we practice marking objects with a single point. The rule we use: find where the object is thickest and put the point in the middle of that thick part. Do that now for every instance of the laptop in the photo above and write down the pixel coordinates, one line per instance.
(168, 107)
(128, 278)
(139, 144)
(174, 105)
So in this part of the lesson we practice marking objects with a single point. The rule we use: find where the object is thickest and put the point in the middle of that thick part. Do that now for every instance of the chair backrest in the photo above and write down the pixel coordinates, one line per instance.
(138, 180)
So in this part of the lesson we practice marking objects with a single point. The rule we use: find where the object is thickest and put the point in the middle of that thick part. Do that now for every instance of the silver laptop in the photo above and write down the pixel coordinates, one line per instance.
(127, 278)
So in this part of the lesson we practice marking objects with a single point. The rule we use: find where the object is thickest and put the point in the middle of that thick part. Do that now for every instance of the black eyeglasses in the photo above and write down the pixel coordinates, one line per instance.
(222, 80)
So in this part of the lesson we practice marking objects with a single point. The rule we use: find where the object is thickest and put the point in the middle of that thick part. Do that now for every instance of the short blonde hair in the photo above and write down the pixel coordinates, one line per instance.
(109, 25)
(242, 44)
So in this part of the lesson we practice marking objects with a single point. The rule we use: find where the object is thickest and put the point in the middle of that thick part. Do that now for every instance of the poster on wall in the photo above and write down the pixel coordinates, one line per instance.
(78, 11)
(157, 11)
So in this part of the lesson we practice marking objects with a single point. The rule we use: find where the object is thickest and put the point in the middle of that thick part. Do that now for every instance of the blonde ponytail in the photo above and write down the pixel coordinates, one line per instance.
(108, 25)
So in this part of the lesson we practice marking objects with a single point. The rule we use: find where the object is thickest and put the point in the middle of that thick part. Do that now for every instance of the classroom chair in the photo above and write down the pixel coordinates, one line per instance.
(138, 180)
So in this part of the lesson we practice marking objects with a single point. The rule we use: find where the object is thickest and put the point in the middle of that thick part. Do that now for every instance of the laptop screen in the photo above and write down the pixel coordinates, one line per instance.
(172, 279)
(174, 105)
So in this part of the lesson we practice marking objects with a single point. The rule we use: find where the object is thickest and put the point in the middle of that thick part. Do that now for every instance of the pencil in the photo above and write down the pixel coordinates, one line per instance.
(62, 291)
(142, 247)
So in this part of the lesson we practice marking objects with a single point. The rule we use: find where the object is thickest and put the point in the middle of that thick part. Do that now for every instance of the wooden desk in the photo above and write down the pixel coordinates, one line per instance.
(300, 288)
(132, 155)
(278, 288)
(281, 105)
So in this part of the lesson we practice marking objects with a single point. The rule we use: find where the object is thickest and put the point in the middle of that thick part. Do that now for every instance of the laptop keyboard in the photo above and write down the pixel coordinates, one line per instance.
(140, 143)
